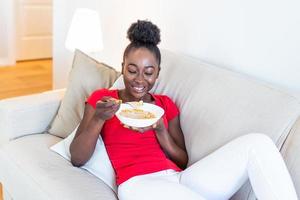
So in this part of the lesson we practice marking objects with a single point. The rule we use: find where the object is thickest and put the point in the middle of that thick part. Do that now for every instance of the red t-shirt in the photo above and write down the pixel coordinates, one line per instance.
(133, 153)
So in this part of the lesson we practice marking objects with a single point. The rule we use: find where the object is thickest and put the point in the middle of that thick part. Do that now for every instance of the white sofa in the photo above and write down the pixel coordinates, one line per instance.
(216, 106)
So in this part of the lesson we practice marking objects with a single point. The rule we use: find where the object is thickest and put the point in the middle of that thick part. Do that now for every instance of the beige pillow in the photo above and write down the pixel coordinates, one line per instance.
(86, 76)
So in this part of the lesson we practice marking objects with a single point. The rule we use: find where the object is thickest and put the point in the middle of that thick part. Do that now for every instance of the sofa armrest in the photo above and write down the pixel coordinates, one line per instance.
(291, 154)
(20, 116)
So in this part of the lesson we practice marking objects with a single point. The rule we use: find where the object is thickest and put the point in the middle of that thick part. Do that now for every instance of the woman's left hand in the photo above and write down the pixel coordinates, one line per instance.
(158, 126)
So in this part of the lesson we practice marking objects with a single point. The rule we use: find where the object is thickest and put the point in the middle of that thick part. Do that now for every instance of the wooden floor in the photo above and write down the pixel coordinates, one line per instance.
(26, 77)
(1, 193)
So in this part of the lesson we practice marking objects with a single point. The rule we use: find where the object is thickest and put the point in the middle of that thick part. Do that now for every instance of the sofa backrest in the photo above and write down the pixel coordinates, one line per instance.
(218, 105)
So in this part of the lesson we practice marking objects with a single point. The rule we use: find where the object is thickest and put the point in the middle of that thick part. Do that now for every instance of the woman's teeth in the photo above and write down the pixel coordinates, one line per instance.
(139, 89)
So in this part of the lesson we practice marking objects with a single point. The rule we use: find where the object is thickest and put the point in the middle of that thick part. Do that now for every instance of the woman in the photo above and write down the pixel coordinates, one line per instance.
(152, 165)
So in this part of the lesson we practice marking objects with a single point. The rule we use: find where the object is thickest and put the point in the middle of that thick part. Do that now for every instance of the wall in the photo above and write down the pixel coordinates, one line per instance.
(63, 11)
(257, 38)
(7, 33)
(2, 30)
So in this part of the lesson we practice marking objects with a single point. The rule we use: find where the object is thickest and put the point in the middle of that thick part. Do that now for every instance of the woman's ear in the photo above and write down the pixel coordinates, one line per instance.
(158, 71)
(122, 67)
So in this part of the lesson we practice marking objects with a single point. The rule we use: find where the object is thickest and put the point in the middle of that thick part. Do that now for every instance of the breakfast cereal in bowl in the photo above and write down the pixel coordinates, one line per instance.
(143, 115)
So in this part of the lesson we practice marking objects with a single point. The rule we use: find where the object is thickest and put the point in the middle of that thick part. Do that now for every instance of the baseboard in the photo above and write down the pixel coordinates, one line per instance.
(6, 62)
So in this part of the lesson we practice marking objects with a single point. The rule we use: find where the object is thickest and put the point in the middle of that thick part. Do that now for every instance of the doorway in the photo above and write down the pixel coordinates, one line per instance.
(26, 47)
(33, 29)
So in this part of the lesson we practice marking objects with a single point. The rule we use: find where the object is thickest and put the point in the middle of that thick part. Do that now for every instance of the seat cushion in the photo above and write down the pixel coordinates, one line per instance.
(28, 166)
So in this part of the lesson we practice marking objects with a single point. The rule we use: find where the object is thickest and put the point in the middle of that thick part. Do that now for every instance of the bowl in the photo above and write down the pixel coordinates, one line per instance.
(140, 123)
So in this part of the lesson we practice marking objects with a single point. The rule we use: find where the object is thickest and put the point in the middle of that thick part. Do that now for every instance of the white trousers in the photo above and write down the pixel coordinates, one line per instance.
(219, 175)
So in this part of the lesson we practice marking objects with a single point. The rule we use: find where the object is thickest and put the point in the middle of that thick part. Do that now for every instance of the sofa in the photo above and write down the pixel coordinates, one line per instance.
(216, 105)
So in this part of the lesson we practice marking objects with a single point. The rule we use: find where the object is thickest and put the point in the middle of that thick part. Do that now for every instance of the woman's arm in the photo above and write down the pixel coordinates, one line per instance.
(172, 141)
(84, 142)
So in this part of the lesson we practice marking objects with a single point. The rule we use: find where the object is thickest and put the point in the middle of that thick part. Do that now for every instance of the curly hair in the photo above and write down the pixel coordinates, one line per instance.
(145, 34)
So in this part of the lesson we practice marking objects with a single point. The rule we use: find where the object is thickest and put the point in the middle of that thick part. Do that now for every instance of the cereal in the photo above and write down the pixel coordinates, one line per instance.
(137, 114)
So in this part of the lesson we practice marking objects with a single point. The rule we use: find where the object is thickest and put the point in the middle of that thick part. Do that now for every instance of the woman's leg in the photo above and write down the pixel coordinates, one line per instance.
(163, 185)
(254, 156)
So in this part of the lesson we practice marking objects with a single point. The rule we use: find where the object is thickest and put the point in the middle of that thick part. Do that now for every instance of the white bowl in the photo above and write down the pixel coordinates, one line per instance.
(139, 123)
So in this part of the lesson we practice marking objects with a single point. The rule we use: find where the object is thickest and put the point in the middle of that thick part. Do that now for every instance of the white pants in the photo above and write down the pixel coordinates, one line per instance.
(219, 175)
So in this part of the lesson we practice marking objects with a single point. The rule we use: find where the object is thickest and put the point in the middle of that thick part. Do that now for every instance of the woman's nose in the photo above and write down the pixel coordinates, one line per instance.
(139, 78)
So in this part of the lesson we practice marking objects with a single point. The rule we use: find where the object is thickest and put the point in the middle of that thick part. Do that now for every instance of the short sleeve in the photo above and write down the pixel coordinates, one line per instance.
(96, 96)
(171, 110)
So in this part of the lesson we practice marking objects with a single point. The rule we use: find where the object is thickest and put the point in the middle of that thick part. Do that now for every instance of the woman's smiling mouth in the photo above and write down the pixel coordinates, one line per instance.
(139, 89)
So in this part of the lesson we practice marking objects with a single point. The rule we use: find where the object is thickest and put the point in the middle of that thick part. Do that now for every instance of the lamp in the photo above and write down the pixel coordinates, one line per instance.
(85, 32)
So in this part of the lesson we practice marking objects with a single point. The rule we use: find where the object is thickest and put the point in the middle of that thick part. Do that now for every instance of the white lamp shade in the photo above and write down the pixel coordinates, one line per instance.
(85, 32)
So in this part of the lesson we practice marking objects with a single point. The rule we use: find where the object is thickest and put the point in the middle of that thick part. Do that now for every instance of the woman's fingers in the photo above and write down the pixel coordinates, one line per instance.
(113, 100)
(154, 125)
(107, 101)
(133, 128)
(107, 107)
(125, 126)
(104, 104)
(141, 130)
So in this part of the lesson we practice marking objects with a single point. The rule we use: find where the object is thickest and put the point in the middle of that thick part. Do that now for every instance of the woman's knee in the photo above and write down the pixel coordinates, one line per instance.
(258, 140)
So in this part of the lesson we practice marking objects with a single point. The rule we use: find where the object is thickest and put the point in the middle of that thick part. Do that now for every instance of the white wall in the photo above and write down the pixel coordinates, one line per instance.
(63, 11)
(7, 33)
(257, 38)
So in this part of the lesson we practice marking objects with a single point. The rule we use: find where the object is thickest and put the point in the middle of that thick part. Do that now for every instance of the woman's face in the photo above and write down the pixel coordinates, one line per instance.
(140, 70)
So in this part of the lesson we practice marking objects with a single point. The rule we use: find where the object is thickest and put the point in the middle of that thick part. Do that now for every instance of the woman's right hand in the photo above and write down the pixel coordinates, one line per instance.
(106, 108)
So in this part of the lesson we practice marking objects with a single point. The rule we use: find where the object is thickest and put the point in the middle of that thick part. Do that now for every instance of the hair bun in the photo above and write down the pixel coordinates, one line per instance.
(144, 32)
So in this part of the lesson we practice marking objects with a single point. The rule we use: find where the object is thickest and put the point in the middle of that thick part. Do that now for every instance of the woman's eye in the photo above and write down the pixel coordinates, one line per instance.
(131, 71)
(148, 73)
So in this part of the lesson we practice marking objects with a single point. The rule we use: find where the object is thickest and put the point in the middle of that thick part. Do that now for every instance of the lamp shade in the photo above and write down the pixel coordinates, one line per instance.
(85, 31)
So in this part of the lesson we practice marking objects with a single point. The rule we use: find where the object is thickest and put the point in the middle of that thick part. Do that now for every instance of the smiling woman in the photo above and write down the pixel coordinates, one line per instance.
(149, 165)
(141, 74)
(159, 148)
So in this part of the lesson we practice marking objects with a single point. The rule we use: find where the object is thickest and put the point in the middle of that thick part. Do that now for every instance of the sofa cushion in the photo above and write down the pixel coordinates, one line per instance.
(28, 166)
(104, 171)
(86, 76)
(217, 105)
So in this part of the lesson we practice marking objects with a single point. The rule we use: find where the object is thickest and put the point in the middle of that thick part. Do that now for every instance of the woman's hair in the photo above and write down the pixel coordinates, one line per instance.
(143, 34)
